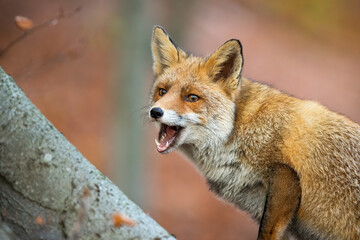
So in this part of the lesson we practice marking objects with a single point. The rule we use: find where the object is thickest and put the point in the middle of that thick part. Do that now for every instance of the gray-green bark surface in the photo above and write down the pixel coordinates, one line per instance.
(42, 174)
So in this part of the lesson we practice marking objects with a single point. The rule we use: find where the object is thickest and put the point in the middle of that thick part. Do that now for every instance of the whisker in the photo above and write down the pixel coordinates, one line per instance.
(143, 108)
(145, 115)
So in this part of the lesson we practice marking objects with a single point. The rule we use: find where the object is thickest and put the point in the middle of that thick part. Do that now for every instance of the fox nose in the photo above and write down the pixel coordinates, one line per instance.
(156, 112)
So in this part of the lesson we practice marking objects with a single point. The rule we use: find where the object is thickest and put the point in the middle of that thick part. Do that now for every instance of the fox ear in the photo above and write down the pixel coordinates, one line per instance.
(164, 51)
(225, 64)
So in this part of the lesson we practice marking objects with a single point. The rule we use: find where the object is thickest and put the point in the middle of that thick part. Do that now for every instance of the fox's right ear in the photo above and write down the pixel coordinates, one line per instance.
(164, 51)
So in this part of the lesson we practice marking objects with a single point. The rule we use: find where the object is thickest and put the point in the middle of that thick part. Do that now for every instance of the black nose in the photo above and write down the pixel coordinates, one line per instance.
(156, 113)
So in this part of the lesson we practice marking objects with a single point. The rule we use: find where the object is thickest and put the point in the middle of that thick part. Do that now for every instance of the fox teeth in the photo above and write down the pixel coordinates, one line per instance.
(167, 144)
(156, 142)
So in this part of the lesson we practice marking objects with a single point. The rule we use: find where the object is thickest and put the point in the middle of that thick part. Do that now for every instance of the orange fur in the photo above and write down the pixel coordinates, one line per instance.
(292, 164)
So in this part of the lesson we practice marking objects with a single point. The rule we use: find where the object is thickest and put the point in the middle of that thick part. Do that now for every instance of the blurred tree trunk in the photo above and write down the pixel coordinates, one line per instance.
(134, 41)
(48, 189)
(133, 80)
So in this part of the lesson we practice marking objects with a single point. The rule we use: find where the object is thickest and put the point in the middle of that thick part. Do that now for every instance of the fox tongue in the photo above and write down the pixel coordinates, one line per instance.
(166, 138)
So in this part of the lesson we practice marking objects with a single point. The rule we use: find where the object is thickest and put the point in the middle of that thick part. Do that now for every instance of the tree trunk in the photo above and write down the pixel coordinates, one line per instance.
(48, 190)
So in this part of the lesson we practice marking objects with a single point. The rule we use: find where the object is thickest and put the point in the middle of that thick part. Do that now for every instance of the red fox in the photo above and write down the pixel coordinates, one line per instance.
(292, 164)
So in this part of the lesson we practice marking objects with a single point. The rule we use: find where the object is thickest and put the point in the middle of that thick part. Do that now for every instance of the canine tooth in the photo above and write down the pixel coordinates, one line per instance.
(167, 144)
(156, 142)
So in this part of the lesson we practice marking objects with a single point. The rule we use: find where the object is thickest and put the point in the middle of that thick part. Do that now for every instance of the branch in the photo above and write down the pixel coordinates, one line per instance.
(49, 190)
(50, 22)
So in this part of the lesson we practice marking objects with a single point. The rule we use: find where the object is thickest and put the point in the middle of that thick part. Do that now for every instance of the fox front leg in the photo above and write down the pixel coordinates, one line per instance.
(282, 202)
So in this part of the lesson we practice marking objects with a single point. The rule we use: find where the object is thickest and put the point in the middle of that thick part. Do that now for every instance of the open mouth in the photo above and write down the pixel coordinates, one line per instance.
(167, 137)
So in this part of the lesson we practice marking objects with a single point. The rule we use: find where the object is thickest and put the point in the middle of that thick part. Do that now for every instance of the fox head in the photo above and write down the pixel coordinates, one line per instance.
(193, 98)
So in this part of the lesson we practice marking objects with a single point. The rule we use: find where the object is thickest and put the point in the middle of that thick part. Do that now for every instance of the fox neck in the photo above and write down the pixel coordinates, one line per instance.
(222, 170)
(210, 155)
(209, 140)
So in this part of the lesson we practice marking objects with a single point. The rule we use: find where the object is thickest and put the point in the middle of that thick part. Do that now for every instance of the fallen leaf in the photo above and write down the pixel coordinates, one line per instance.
(23, 23)
(120, 219)
(85, 192)
(39, 220)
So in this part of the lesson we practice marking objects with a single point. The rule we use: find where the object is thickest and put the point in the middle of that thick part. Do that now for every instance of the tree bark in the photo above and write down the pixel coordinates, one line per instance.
(48, 190)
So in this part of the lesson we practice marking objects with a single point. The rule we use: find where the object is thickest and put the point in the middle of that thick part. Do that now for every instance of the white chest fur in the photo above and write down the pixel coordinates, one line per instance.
(229, 178)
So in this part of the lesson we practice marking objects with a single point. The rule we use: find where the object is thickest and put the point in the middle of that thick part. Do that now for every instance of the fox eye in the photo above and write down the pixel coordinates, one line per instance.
(192, 98)
(162, 91)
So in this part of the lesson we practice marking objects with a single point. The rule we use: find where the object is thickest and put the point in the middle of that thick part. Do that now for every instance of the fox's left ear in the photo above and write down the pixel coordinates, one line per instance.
(164, 51)
(225, 64)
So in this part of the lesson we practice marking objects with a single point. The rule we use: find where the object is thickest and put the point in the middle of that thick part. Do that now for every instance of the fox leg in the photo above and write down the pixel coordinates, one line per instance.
(282, 202)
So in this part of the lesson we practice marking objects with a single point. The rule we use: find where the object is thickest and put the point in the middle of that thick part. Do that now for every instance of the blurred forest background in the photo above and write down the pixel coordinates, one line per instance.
(88, 69)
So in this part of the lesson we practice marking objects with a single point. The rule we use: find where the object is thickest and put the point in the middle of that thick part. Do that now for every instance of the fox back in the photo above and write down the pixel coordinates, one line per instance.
(292, 164)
